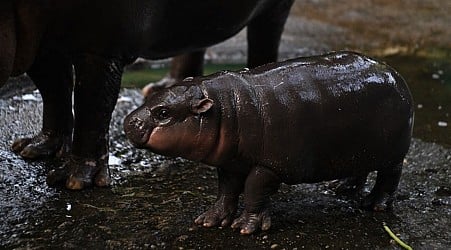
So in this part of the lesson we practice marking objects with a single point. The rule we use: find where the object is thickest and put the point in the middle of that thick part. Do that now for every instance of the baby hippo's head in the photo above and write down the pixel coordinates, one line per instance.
(171, 122)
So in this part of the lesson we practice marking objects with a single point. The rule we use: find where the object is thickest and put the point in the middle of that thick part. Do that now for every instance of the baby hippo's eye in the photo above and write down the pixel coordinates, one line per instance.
(163, 114)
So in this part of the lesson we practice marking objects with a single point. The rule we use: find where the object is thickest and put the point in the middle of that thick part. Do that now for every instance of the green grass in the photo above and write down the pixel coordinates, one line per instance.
(139, 78)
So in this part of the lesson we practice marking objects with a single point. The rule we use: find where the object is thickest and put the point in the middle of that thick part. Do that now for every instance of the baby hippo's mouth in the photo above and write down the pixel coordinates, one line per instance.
(162, 141)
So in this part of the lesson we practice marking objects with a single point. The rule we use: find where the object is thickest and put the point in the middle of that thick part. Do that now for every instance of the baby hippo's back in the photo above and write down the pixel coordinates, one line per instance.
(315, 118)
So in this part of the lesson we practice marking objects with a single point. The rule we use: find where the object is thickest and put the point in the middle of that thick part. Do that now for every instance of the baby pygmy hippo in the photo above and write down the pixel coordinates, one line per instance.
(304, 120)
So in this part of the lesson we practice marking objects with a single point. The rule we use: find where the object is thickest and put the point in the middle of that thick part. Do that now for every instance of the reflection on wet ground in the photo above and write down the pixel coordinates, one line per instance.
(155, 199)
(429, 79)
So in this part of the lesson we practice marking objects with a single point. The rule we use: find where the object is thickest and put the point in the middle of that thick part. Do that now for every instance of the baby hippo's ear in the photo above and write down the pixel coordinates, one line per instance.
(201, 106)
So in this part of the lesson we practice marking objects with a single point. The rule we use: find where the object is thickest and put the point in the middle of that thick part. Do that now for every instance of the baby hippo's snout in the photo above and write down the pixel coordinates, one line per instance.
(137, 126)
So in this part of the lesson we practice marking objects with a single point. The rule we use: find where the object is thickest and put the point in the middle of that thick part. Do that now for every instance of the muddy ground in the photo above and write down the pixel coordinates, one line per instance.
(154, 199)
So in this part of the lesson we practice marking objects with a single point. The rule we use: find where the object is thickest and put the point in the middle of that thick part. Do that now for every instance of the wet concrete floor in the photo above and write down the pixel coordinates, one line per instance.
(154, 199)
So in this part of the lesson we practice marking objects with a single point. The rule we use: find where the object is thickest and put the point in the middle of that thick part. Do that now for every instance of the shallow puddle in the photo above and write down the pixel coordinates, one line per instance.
(429, 79)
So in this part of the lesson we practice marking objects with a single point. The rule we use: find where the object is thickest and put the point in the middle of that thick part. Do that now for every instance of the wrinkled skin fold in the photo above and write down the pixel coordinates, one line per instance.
(305, 120)
(80, 47)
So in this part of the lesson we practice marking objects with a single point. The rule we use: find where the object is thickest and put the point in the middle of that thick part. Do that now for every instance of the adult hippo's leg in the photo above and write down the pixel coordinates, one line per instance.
(53, 77)
(222, 212)
(261, 183)
(96, 90)
(7, 40)
(264, 34)
(182, 66)
(186, 65)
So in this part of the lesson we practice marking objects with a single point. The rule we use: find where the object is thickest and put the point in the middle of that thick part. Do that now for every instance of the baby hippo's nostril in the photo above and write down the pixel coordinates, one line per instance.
(136, 129)
(136, 122)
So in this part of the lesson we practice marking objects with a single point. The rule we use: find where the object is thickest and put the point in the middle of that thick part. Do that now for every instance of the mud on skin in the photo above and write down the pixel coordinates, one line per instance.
(304, 120)
(52, 41)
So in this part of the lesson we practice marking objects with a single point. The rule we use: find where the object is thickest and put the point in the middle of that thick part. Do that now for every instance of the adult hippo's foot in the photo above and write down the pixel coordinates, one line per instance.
(182, 66)
(44, 144)
(165, 82)
(78, 173)
(250, 222)
(96, 90)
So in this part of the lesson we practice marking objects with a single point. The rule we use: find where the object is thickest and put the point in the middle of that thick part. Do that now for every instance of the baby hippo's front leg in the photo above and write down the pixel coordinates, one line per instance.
(223, 211)
(261, 183)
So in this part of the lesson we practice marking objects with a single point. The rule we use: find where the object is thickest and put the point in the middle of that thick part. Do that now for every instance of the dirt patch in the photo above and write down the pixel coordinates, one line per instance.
(381, 26)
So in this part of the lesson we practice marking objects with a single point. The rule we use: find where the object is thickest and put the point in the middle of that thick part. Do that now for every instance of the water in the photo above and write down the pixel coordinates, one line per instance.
(429, 79)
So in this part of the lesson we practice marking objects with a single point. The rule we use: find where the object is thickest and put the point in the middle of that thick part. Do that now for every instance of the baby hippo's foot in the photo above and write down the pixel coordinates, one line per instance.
(78, 173)
(378, 201)
(250, 222)
(44, 144)
(220, 214)
(382, 195)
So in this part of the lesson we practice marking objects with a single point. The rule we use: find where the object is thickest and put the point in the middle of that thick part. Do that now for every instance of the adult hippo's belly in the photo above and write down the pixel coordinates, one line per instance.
(150, 29)
(53, 40)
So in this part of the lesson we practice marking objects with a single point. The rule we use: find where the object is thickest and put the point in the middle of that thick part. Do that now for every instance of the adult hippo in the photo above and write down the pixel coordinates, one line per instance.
(53, 40)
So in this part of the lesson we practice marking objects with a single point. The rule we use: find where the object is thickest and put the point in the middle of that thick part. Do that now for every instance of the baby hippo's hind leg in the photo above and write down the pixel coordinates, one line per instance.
(382, 194)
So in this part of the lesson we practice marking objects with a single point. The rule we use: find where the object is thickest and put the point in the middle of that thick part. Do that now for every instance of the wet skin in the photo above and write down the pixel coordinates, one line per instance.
(301, 121)
(53, 40)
